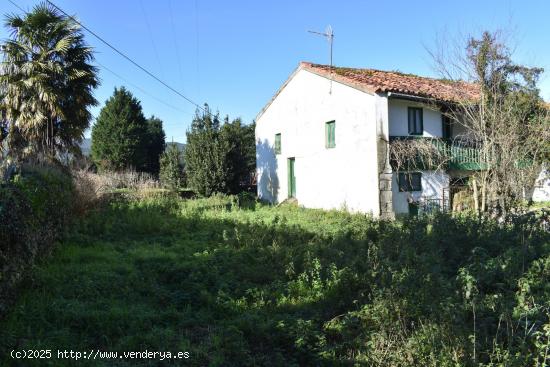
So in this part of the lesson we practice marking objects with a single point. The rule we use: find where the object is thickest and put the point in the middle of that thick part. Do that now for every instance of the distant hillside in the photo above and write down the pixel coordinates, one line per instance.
(180, 146)
(86, 146)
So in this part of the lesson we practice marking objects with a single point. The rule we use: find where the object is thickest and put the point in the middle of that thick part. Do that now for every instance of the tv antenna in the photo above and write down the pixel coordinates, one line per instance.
(329, 35)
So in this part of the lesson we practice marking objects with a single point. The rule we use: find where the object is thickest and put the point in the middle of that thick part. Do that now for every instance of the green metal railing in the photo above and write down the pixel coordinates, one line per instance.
(456, 155)
(464, 158)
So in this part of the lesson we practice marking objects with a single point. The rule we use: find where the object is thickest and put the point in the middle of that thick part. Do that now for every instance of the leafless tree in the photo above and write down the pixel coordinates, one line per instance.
(418, 154)
(508, 122)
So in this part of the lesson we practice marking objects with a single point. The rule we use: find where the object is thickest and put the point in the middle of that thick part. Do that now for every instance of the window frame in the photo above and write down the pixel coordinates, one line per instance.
(278, 145)
(330, 134)
(413, 110)
(405, 182)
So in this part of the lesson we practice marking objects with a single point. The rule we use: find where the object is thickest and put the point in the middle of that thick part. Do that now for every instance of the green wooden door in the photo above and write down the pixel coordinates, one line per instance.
(291, 178)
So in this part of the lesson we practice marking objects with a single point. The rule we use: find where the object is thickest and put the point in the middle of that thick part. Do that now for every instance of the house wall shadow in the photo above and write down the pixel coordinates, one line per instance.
(267, 168)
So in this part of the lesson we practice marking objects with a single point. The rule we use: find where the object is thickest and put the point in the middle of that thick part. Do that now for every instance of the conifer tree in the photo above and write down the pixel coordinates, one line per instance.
(241, 154)
(155, 145)
(119, 137)
(206, 154)
(171, 168)
(219, 158)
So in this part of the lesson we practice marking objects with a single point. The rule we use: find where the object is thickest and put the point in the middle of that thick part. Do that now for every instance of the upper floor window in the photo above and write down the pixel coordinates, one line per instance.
(410, 181)
(278, 143)
(330, 134)
(416, 121)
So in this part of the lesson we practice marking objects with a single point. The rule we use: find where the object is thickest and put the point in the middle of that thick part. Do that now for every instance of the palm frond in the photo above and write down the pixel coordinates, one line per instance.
(47, 79)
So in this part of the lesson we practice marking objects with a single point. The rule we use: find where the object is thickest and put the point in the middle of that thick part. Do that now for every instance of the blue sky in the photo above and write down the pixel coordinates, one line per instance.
(235, 54)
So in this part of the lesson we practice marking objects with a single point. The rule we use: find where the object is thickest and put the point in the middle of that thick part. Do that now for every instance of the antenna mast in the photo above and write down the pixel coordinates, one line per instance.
(329, 35)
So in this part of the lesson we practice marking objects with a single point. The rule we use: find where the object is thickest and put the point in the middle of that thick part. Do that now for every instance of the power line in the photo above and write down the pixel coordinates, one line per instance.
(155, 50)
(170, 11)
(17, 6)
(121, 77)
(197, 46)
(129, 59)
(139, 88)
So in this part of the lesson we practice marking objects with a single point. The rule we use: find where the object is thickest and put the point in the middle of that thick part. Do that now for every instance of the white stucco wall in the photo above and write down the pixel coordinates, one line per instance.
(541, 191)
(382, 128)
(399, 122)
(345, 176)
(433, 184)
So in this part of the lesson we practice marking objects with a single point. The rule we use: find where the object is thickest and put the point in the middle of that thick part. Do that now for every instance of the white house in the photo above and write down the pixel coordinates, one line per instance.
(323, 139)
(541, 191)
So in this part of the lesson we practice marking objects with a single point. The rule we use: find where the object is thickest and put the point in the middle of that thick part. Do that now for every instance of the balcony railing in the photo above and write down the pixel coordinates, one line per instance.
(463, 157)
(456, 155)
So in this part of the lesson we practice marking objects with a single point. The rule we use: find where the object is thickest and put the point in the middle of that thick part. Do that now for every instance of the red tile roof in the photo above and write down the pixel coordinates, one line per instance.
(375, 81)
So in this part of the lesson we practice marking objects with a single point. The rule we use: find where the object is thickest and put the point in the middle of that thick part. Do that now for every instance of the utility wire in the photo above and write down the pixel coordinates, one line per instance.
(17, 6)
(120, 77)
(139, 88)
(197, 46)
(155, 50)
(116, 74)
(130, 59)
(170, 12)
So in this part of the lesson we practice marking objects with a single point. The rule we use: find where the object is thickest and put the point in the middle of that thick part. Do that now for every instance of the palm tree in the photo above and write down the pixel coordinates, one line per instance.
(47, 82)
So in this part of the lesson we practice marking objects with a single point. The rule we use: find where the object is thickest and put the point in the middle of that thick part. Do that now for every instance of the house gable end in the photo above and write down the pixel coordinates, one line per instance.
(303, 67)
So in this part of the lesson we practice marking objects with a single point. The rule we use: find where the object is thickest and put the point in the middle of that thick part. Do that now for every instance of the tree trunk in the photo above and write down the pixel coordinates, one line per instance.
(484, 197)
(476, 200)
(502, 203)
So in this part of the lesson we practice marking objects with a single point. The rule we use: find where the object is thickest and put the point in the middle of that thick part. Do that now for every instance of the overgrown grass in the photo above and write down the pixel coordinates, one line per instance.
(540, 205)
(241, 284)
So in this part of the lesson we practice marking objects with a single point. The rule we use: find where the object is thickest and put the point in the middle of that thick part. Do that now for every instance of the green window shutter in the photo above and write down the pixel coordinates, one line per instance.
(291, 177)
(330, 134)
(416, 121)
(326, 135)
(278, 143)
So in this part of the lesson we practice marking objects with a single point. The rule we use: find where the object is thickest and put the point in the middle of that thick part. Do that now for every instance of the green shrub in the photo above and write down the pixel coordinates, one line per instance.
(15, 216)
(171, 168)
(16, 239)
(50, 194)
(35, 208)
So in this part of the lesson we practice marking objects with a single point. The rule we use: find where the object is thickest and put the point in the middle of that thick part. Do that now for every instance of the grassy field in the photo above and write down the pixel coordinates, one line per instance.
(242, 284)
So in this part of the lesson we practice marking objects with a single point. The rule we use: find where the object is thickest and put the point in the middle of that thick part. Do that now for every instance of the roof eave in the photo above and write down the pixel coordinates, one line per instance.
(307, 67)
(413, 97)
(421, 98)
